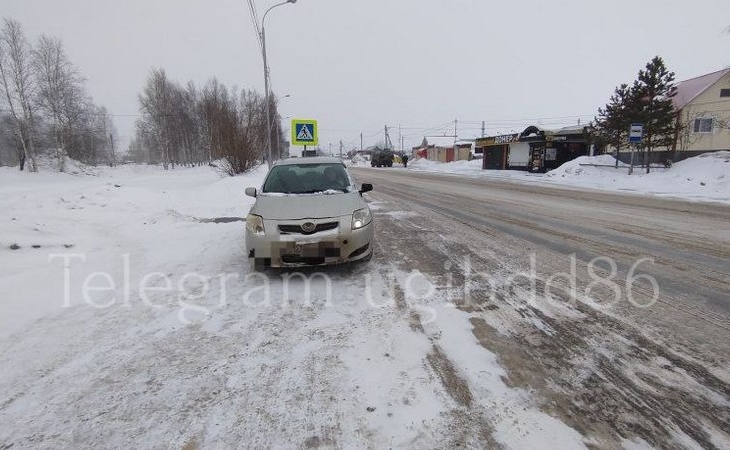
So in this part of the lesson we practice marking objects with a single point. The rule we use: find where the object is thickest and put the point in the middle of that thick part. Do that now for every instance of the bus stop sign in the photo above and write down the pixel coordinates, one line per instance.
(636, 132)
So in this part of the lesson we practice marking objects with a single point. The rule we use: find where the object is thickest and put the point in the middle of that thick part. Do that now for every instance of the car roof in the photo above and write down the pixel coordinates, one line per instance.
(309, 160)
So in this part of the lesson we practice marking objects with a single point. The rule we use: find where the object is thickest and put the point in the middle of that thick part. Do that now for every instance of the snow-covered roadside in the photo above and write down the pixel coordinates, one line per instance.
(133, 211)
(702, 178)
(209, 362)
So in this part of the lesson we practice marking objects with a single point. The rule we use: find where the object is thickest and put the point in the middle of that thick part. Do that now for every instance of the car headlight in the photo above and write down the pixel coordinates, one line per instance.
(255, 224)
(360, 218)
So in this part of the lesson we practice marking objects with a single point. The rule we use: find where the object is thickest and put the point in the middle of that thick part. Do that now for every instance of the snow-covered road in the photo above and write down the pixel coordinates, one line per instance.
(614, 310)
(179, 345)
(436, 343)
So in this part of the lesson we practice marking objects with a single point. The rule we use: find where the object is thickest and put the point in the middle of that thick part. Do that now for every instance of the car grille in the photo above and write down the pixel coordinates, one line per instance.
(297, 229)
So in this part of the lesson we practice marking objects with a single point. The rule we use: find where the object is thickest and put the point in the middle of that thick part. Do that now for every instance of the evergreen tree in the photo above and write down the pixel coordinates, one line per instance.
(613, 121)
(653, 92)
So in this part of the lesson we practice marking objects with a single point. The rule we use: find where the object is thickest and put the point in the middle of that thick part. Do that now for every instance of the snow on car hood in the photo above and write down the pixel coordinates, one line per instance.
(307, 206)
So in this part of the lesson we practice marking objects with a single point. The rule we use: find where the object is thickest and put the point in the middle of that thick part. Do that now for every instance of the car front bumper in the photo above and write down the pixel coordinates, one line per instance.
(282, 246)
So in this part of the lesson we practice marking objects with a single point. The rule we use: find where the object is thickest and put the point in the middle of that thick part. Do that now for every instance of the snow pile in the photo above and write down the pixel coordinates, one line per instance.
(704, 177)
(49, 163)
(701, 178)
(471, 169)
(585, 165)
(358, 161)
(473, 166)
(710, 170)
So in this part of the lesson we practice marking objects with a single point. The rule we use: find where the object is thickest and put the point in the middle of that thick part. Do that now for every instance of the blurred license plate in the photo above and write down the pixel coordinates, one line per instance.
(316, 249)
(307, 249)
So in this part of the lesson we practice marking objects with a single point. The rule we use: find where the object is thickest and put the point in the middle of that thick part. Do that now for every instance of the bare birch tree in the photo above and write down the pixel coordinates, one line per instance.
(184, 125)
(155, 103)
(16, 76)
(60, 93)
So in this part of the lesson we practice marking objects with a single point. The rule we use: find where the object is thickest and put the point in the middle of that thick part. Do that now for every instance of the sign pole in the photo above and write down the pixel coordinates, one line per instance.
(631, 164)
(636, 133)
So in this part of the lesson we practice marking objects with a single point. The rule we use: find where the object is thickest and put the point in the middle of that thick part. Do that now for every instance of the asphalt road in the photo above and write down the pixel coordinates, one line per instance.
(631, 339)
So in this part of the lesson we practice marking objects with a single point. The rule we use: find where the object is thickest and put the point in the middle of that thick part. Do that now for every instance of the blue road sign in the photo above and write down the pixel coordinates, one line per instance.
(636, 133)
(304, 132)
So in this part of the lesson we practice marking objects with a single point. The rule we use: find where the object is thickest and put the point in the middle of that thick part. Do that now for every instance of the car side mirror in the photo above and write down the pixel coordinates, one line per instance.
(251, 192)
(366, 187)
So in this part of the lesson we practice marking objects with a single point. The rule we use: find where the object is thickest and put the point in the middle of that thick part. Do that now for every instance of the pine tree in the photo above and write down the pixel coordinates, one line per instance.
(653, 92)
(613, 121)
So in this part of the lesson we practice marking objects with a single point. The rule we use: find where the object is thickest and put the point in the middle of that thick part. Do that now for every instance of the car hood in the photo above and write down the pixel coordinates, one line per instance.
(307, 206)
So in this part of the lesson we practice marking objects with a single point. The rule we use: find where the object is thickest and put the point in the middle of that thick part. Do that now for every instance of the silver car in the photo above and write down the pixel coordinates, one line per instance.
(309, 213)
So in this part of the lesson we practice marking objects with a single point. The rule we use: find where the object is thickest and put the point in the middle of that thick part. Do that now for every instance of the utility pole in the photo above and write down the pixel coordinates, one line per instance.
(400, 138)
(269, 158)
(456, 123)
(361, 142)
(340, 149)
(483, 128)
(267, 90)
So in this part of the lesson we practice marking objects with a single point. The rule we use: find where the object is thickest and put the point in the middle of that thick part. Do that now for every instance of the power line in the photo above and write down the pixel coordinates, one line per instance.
(255, 19)
(529, 119)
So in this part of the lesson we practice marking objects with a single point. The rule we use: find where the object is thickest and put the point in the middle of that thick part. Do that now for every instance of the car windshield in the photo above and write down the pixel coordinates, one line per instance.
(307, 179)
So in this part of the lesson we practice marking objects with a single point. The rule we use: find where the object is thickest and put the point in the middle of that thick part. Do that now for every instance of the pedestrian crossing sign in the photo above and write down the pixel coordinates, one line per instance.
(304, 132)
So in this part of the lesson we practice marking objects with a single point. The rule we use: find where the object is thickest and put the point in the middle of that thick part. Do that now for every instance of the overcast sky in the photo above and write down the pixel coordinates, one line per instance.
(356, 65)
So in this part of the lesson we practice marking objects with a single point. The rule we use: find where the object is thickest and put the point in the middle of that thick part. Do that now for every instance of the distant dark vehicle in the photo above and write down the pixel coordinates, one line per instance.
(382, 158)
(309, 153)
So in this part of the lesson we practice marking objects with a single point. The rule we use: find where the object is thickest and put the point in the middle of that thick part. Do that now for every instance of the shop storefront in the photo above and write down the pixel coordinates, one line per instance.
(534, 149)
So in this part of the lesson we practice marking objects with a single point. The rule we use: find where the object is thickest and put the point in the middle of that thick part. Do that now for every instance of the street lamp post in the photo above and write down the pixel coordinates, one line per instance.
(266, 79)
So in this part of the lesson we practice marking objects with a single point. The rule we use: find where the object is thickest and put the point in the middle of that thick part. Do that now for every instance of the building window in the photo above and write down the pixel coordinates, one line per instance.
(703, 125)
(724, 92)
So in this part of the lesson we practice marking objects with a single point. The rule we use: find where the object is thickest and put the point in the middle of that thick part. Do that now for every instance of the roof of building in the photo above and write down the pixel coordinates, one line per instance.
(439, 141)
(573, 129)
(688, 90)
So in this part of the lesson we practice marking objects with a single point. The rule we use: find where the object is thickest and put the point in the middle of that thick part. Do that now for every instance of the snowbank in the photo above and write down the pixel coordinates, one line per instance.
(705, 177)
(702, 178)
(49, 163)
(455, 166)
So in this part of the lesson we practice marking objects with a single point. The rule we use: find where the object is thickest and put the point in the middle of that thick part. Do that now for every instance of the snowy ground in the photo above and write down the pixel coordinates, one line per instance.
(701, 178)
(131, 318)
